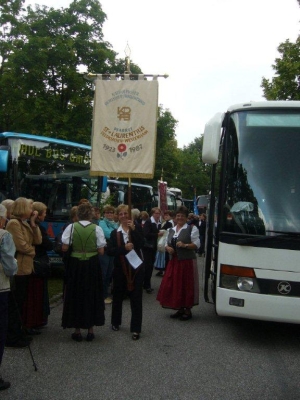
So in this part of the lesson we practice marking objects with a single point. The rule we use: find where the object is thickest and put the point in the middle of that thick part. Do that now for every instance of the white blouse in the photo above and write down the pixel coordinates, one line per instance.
(124, 233)
(101, 241)
(194, 234)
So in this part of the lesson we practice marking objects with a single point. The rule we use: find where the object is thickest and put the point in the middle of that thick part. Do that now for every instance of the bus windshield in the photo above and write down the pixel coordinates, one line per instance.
(261, 181)
(141, 195)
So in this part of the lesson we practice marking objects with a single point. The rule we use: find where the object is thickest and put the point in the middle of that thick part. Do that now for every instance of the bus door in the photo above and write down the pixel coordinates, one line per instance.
(210, 261)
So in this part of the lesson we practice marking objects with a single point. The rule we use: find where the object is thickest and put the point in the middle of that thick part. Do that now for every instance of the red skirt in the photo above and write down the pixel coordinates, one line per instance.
(180, 285)
(36, 307)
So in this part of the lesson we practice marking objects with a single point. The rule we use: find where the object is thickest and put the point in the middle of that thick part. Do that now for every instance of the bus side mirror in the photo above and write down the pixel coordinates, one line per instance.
(211, 141)
(4, 151)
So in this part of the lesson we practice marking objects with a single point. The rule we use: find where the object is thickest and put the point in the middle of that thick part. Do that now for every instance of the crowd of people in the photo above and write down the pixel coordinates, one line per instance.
(106, 260)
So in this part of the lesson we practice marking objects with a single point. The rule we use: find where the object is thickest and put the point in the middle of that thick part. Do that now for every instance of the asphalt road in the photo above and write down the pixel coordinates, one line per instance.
(208, 357)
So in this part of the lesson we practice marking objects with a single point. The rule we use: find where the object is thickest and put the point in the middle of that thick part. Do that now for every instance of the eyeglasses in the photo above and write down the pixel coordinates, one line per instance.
(109, 212)
(123, 214)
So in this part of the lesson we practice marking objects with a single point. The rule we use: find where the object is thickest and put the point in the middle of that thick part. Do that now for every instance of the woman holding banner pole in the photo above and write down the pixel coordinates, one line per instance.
(128, 274)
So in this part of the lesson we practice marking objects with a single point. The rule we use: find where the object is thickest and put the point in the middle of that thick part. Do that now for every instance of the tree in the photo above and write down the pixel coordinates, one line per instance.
(41, 89)
(166, 147)
(166, 158)
(286, 85)
(40, 85)
(194, 174)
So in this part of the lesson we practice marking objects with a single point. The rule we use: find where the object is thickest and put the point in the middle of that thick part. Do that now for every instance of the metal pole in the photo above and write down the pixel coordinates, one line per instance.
(22, 327)
(129, 198)
(93, 77)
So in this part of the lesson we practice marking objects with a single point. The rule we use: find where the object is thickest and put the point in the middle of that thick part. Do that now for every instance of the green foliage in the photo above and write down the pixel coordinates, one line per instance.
(286, 85)
(40, 84)
(42, 92)
(167, 153)
(166, 147)
(194, 175)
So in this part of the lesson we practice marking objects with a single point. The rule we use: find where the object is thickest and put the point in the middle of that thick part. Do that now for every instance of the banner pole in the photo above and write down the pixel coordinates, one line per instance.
(92, 77)
(129, 198)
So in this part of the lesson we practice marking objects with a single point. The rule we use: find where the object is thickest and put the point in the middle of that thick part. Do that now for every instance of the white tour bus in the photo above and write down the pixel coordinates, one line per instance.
(252, 263)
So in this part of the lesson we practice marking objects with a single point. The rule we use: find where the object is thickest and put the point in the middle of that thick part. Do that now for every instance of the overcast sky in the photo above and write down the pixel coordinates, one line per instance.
(215, 51)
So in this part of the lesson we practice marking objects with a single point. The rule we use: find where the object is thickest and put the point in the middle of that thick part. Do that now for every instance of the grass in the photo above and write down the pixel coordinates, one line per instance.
(55, 286)
(55, 283)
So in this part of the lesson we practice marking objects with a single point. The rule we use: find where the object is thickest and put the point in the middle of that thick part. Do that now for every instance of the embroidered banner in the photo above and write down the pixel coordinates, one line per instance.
(124, 128)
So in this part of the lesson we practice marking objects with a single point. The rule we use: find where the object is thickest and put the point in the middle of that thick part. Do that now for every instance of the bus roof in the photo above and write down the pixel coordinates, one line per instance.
(264, 104)
(42, 139)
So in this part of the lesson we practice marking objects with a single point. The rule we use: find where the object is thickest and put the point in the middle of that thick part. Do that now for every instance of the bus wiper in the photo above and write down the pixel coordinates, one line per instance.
(284, 236)
(286, 233)
(255, 239)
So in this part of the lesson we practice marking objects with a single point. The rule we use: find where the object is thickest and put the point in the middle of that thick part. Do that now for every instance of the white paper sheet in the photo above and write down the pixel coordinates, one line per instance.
(133, 259)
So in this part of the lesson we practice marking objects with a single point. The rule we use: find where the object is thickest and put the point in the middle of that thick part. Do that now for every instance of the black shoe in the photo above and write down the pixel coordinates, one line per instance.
(159, 273)
(149, 290)
(185, 317)
(77, 337)
(178, 314)
(135, 336)
(115, 328)
(18, 344)
(90, 337)
(33, 332)
(4, 385)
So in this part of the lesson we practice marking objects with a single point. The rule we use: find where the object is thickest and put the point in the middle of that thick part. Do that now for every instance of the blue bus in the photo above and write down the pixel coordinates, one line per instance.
(56, 172)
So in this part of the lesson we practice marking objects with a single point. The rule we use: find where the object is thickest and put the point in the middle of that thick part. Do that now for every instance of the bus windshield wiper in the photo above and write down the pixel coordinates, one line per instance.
(286, 233)
(282, 236)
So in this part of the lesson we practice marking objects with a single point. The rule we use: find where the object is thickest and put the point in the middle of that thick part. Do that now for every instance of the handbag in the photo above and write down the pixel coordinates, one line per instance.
(58, 244)
(42, 267)
(161, 242)
(67, 254)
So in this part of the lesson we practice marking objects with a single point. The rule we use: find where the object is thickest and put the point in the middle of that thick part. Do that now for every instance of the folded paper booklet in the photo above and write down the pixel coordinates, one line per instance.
(133, 259)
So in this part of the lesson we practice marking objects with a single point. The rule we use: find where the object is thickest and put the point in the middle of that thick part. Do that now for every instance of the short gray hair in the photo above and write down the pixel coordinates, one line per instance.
(135, 213)
(3, 211)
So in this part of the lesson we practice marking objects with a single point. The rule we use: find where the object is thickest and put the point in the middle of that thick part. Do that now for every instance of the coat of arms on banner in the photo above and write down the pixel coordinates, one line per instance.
(124, 128)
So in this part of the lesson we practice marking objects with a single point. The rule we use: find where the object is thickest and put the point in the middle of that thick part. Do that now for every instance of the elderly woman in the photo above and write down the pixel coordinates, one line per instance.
(143, 217)
(162, 257)
(36, 308)
(107, 262)
(179, 288)
(127, 279)
(8, 267)
(25, 235)
(8, 204)
(83, 300)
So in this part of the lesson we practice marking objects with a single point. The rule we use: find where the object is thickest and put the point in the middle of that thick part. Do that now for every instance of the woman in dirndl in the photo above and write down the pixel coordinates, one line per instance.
(83, 298)
(179, 288)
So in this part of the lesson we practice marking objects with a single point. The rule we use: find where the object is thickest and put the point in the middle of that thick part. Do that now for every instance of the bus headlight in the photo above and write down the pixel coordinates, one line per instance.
(234, 277)
(245, 284)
